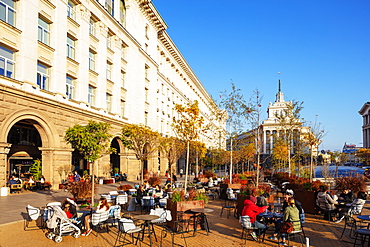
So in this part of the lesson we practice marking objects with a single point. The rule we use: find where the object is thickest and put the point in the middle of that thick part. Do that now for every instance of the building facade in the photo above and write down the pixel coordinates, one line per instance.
(65, 62)
(365, 113)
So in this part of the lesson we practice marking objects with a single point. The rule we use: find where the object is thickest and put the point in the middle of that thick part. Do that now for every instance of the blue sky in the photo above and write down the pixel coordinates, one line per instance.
(321, 48)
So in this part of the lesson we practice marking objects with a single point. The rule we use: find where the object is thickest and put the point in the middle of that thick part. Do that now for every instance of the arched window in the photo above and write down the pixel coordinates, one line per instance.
(122, 12)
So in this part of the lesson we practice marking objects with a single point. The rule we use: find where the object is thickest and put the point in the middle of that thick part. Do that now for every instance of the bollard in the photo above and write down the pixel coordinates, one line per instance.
(307, 242)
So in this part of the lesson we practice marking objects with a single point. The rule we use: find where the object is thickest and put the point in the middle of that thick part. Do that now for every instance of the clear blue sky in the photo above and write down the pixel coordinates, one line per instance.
(321, 48)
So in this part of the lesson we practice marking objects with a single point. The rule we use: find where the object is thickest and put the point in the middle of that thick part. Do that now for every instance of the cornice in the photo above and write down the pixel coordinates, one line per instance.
(152, 14)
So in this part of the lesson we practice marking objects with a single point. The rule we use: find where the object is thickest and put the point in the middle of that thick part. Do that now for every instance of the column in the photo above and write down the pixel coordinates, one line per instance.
(4, 150)
(55, 164)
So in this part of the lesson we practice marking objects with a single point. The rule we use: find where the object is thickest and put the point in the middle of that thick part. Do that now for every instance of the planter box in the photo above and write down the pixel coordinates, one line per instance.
(308, 200)
(108, 181)
(223, 188)
(175, 207)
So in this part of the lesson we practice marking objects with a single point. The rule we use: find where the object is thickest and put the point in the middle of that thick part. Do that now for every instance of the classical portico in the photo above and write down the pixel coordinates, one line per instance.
(365, 113)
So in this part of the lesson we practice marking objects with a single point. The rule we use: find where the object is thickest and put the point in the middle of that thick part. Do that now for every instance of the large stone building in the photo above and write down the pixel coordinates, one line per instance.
(65, 62)
(365, 113)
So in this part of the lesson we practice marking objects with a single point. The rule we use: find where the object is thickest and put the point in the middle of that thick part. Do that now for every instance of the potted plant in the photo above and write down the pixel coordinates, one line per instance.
(180, 203)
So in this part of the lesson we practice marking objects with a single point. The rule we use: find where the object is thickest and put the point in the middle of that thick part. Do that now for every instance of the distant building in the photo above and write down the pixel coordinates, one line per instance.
(271, 129)
(350, 150)
(365, 113)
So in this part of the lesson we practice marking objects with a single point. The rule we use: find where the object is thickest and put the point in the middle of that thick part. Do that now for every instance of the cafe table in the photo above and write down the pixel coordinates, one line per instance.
(199, 215)
(147, 218)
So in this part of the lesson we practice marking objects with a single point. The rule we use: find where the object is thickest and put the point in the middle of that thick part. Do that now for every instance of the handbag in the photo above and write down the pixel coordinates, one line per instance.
(286, 227)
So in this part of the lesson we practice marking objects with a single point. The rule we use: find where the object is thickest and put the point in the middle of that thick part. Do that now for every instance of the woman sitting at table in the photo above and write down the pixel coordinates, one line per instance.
(291, 214)
(252, 210)
(325, 200)
(103, 206)
(355, 207)
(69, 208)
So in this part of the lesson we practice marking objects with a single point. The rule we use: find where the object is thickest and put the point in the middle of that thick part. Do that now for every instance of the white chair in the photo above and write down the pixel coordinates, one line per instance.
(108, 197)
(99, 219)
(127, 226)
(50, 204)
(121, 199)
(33, 214)
(114, 214)
(113, 193)
(245, 221)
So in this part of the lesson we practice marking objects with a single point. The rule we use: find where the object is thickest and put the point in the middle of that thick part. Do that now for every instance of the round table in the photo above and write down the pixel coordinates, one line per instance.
(147, 218)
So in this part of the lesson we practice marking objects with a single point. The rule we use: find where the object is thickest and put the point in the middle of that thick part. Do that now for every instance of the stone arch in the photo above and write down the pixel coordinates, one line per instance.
(41, 122)
(53, 155)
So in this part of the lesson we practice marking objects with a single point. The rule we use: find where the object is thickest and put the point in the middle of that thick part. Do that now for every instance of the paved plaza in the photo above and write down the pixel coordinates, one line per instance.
(224, 231)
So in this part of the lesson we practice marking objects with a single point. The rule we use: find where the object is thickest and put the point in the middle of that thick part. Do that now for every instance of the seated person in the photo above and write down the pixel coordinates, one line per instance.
(291, 214)
(346, 196)
(289, 194)
(252, 210)
(355, 208)
(31, 183)
(158, 192)
(69, 208)
(12, 181)
(325, 201)
(103, 206)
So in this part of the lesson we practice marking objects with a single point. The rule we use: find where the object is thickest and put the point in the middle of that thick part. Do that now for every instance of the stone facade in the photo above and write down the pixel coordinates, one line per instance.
(71, 61)
(365, 113)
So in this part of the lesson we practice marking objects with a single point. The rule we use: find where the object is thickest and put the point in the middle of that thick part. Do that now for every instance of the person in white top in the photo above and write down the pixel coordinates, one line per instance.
(103, 206)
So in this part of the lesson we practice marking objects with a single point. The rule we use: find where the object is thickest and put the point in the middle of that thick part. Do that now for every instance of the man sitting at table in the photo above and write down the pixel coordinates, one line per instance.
(355, 207)
(252, 210)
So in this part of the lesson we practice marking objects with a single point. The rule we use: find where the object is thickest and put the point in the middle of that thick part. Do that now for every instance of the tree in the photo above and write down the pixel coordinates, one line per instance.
(364, 154)
(36, 170)
(142, 140)
(198, 151)
(289, 120)
(187, 126)
(280, 153)
(313, 139)
(237, 110)
(92, 141)
(173, 147)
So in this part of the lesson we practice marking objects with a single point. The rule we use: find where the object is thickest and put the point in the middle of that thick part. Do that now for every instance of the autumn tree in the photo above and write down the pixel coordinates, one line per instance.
(237, 111)
(197, 153)
(142, 140)
(173, 148)
(92, 141)
(187, 126)
(280, 153)
(313, 138)
(289, 120)
(364, 154)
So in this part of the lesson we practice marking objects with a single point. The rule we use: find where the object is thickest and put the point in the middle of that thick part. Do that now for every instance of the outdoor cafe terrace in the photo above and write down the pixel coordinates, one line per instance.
(224, 231)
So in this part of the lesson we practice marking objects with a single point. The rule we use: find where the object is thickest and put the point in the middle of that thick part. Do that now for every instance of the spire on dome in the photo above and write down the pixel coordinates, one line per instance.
(279, 95)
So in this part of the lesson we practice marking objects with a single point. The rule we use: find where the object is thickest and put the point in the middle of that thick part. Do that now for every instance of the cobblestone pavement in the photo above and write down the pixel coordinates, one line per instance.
(224, 231)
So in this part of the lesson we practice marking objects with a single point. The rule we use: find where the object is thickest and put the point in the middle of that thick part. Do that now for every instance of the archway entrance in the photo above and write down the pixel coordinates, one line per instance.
(25, 140)
(114, 157)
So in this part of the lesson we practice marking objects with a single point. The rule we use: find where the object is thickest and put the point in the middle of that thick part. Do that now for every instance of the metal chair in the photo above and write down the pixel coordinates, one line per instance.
(127, 226)
(33, 214)
(175, 230)
(229, 205)
(98, 220)
(363, 233)
(248, 228)
(122, 200)
(293, 234)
